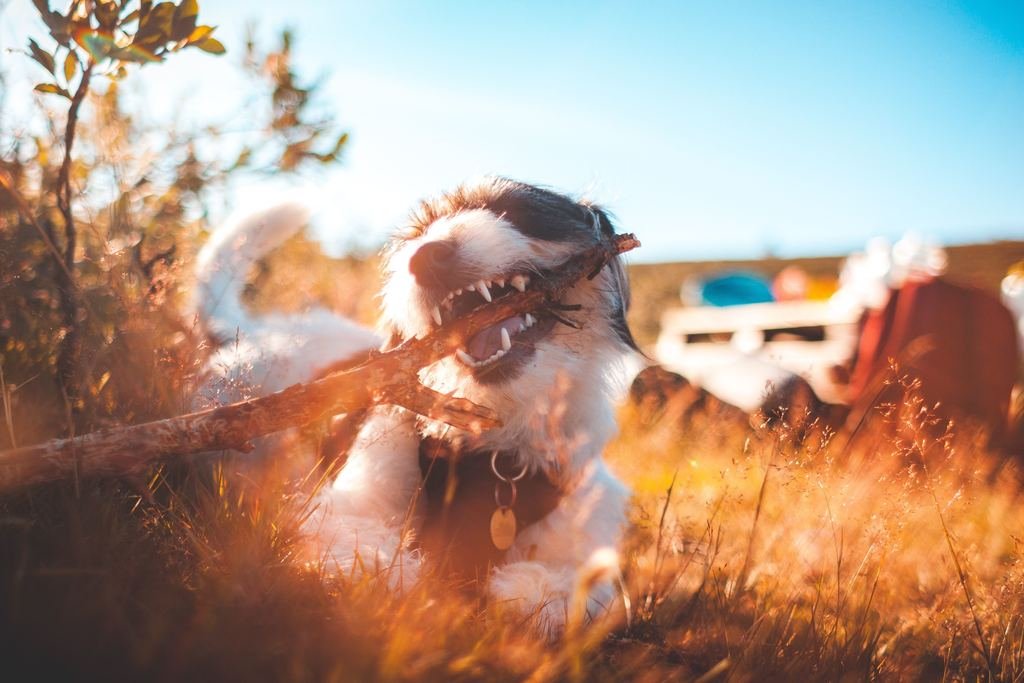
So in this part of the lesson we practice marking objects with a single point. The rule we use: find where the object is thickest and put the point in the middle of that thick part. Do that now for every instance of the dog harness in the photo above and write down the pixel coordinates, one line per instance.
(477, 502)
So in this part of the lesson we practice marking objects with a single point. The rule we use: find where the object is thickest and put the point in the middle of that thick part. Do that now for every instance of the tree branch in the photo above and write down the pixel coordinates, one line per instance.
(70, 348)
(389, 378)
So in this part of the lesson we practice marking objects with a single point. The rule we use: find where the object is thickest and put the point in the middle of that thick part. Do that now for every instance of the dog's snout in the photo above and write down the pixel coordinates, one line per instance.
(432, 262)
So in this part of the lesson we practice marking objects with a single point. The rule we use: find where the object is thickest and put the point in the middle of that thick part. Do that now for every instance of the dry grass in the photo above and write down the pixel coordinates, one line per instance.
(817, 563)
(751, 557)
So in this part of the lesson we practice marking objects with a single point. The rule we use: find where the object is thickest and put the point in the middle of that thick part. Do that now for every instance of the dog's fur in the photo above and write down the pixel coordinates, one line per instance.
(264, 354)
(551, 391)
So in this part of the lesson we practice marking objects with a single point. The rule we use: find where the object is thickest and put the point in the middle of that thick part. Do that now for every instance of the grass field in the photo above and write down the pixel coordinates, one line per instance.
(751, 557)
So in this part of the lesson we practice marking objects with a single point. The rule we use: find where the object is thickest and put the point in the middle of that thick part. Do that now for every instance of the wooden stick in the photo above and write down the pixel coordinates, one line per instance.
(389, 378)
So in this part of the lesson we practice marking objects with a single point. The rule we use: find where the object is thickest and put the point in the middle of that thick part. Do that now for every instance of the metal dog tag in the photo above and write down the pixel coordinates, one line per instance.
(503, 528)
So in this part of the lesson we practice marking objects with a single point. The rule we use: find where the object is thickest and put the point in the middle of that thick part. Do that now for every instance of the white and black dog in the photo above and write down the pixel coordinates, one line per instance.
(527, 509)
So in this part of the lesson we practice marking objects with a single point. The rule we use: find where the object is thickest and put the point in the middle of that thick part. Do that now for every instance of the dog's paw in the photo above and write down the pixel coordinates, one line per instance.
(399, 571)
(364, 548)
(555, 597)
(535, 590)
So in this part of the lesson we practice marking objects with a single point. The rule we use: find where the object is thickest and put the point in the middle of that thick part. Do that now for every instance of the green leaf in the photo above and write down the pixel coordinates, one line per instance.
(55, 22)
(59, 29)
(183, 29)
(184, 21)
(243, 158)
(187, 8)
(94, 42)
(107, 13)
(135, 53)
(44, 58)
(199, 33)
(211, 45)
(52, 89)
(342, 139)
(162, 14)
(155, 26)
(70, 66)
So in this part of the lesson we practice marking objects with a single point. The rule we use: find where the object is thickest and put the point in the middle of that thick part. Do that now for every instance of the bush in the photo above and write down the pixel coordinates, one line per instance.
(102, 214)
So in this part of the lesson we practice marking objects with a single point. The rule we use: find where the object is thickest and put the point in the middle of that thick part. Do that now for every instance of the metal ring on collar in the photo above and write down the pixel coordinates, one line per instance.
(513, 494)
(499, 475)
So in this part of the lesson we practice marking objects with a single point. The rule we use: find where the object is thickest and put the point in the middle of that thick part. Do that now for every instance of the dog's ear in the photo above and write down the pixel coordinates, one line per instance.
(618, 319)
(621, 283)
(617, 274)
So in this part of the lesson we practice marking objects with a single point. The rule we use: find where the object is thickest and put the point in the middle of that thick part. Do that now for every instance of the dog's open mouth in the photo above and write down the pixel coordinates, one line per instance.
(497, 351)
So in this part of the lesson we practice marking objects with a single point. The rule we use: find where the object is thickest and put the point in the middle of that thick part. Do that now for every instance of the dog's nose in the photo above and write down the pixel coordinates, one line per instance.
(432, 262)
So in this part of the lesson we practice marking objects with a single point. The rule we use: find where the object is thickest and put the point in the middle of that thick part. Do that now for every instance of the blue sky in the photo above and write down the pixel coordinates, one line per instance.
(717, 129)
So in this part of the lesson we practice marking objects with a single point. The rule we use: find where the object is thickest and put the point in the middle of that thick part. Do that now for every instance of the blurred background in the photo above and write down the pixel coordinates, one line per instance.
(737, 131)
(753, 148)
(824, 435)
(792, 164)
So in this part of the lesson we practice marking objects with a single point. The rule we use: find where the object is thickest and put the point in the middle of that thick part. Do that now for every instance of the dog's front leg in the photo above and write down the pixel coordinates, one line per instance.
(365, 519)
(560, 564)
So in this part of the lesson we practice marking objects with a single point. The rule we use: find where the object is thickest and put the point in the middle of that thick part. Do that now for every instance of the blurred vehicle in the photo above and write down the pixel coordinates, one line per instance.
(731, 288)
(740, 352)
(1012, 291)
(957, 343)
(742, 337)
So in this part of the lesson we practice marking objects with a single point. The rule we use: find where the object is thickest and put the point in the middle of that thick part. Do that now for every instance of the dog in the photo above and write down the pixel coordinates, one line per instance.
(546, 373)
(528, 512)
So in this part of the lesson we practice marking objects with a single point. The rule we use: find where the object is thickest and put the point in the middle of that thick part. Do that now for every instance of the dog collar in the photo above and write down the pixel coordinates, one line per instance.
(503, 519)
(477, 504)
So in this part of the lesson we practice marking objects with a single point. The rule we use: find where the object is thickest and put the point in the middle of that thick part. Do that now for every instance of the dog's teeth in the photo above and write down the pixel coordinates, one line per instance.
(506, 341)
(470, 288)
(530, 320)
(465, 358)
(500, 282)
(519, 282)
(447, 303)
(458, 292)
(437, 315)
(484, 292)
(493, 357)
